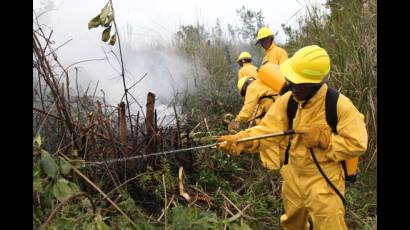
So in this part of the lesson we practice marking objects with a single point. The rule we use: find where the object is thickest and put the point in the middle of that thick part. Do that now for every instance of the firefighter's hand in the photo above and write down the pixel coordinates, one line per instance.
(228, 144)
(315, 136)
(233, 126)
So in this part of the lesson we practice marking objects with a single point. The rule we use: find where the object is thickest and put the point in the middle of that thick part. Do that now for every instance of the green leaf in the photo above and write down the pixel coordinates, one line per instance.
(95, 22)
(232, 218)
(37, 184)
(110, 18)
(104, 13)
(74, 187)
(100, 223)
(48, 164)
(64, 166)
(37, 140)
(46, 196)
(106, 34)
(62, 188)
(113, 39)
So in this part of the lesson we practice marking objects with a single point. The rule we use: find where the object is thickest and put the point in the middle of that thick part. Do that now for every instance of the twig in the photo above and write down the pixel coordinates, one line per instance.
(58, 46)
(48, 75)
(58, 207)
(139, 105)
(207, 128)
(169, 204)
(165, 201)
(178, 130)
(225, 215)
(68, 91)
(96, 59)
(137, 81)
(47, 114)
(122, 71)
(95, 90)
(94, 132)
(78, 93)
(241, 211)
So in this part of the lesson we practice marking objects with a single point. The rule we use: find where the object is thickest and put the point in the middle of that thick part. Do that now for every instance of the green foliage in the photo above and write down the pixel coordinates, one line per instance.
(193, 218)
(106, 34)
(100, 223)
(64, 167)
(48, 164)
(63, 189)
(113, 39)
(251, 22)
(49, 186)
(94, 22)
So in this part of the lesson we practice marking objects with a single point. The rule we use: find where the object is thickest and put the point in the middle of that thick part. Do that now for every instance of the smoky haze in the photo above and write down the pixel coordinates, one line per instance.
(146, 31)
(167, 74)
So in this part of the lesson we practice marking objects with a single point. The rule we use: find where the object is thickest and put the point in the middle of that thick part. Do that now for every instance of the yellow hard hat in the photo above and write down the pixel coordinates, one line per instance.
(244, 81)
(263, 33)
(244, 55)
(310, 64)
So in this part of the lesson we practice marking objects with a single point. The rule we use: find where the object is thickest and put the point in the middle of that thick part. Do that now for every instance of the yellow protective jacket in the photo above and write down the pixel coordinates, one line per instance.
(247, 70)
(254, 101)
(275, 54)
(349, 142)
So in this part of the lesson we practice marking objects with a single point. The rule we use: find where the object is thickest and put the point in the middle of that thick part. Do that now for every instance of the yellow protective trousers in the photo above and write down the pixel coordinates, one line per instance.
(306, 193)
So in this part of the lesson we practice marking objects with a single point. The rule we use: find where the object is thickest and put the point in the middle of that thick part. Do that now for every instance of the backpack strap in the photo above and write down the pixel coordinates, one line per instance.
(332, 96)
(291, 112)
(271, 96)
(260, 116)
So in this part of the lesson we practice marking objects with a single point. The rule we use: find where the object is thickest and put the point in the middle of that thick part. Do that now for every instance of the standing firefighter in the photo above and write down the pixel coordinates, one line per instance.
(313, 176)
(258, 98)
(273, 53)
(246, 67)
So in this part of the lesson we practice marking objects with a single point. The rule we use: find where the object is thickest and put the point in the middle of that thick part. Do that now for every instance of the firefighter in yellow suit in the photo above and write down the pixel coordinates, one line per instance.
(246, 67)
(258, 98)
(305, 192)
(273, 53)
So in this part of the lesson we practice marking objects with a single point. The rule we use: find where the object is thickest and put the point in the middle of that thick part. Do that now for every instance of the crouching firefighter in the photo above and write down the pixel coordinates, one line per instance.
(258, 98)
(313, 174)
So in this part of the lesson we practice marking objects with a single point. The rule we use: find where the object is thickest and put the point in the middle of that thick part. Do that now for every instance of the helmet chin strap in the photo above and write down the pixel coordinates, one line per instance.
(325, 80)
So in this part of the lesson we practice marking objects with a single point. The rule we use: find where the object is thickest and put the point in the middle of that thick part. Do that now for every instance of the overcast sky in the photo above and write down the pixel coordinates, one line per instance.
(145, 21)
(164, 17)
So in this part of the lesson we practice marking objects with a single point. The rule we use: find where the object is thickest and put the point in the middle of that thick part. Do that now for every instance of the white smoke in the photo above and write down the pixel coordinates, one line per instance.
(167, 73)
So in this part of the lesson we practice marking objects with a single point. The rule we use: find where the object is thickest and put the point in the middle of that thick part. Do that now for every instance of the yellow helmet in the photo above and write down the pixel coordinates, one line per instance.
(263, 33)
(244, 55)
(311, 64)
